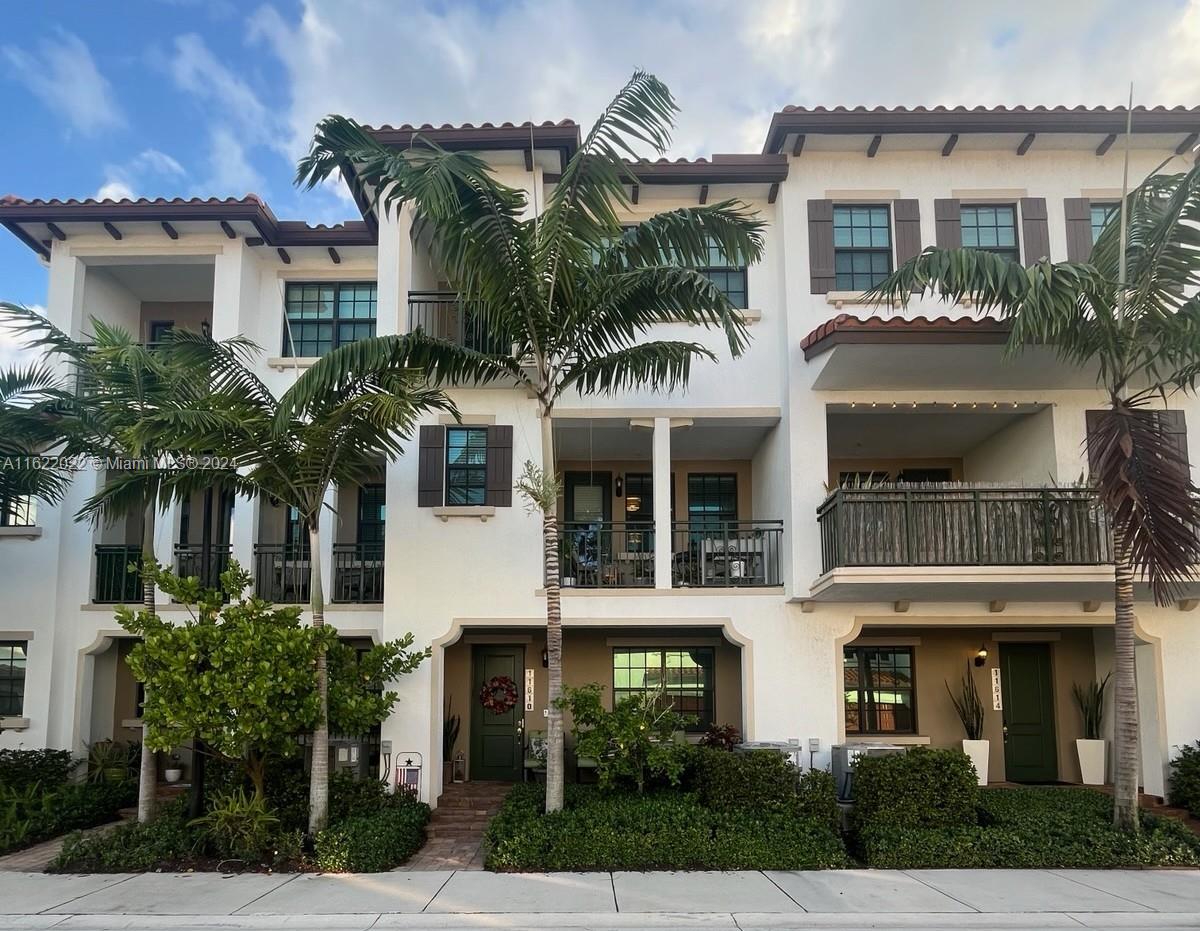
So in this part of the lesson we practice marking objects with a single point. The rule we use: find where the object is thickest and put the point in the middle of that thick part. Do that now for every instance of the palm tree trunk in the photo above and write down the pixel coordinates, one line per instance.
(318, 785)
(555, 753)
(147, 769)
(1125, 706)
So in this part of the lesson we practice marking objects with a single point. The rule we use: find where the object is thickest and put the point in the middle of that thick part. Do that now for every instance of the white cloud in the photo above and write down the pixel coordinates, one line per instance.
(63, 75)
(115, 190)
(730, 63)
(150, 168)
(231, 174)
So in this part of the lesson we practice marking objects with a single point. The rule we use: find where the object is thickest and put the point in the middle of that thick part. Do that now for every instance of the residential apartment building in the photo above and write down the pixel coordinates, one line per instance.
(808, 543)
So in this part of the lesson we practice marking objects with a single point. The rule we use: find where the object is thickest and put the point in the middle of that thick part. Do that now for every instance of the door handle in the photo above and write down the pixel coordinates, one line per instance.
(1005, 729)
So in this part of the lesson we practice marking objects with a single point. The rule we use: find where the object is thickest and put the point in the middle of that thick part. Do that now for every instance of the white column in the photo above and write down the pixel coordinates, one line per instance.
(662, 502)
(329, 519)
(235, 292)
(166, 532)
(243, 532)
(394, 275)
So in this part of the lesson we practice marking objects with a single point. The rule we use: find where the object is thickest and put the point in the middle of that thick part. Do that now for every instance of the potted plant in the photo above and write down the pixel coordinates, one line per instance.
(970, 712)
(174, 770)
(450, 727)
(1090, 747)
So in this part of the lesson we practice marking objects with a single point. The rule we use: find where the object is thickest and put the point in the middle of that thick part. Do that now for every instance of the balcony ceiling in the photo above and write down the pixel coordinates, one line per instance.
(866, 433)
(160, 281)
(612, 439)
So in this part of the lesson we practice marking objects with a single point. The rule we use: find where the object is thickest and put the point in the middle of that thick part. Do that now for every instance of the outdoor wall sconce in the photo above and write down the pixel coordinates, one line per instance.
(981, 656)
(619, 487)
(545, 659)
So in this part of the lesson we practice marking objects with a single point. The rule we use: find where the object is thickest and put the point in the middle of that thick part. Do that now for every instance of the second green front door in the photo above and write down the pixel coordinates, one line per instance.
(1030, 746)
(496, 739)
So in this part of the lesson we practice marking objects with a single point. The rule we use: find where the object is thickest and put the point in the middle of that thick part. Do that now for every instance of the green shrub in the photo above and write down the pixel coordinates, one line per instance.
(374, 842)
(31, 815)
(1185, 779)
(920, 788)
(350, 796)
(1040, 828)
(130, 847)
(762, 779)
(237, 826)
(659, 830)
(49, 769)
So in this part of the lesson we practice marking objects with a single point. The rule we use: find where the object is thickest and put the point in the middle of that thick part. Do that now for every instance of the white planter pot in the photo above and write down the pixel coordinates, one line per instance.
(172, 775)
(978, 751)
(1091, 761)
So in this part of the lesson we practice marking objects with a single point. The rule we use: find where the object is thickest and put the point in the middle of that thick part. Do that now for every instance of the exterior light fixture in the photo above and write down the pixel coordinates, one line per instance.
(619, 486)
(545, 659)
(981, 656)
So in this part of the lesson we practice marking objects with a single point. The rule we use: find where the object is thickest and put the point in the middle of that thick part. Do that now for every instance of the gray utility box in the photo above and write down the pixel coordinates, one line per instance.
(845, 756)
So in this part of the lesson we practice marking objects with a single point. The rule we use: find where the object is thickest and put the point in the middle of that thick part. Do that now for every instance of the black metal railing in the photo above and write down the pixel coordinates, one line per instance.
(962, 525)
(281, 572)
(115, 583)
(606, 555)
(204, 562)
(358, 573)
(726, 554)
(442, 315)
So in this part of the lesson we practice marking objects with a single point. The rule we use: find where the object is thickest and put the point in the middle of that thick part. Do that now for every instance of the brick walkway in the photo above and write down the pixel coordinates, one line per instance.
(35, 859)
(455, 832)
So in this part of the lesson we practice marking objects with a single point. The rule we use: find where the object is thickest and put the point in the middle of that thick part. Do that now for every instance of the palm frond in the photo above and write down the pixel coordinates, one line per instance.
(661, 365)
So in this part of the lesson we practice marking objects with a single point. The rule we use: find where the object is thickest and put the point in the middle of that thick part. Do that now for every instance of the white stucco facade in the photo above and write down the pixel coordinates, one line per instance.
(788, 425)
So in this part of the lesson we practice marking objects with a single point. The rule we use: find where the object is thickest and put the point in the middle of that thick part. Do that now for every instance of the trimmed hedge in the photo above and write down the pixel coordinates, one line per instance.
(130, 847)
(763, 780)
(922, 788)
(21, 769)
(662, 830)
(31, 816)
(1184, 788)
(376, 841)
(1031, 828)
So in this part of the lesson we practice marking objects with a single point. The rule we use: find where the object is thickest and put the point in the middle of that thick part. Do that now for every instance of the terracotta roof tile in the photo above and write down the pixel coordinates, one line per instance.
(11, 200)
(896, 328)
(428, 127)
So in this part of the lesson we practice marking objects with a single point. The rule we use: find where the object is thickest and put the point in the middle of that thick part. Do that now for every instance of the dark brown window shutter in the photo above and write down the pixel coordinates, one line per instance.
(1034, 229)
(820, 246)
(947, 219)
(499, 466)
(1078, 211)
(907, 214)
(431, 466)
(1175, 427)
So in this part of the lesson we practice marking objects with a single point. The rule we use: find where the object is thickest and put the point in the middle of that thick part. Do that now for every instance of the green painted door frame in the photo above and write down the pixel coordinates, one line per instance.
(1030, 746)
(497, 752)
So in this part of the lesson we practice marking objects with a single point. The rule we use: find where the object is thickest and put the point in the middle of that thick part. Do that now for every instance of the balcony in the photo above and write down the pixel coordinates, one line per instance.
(204, 562)
(958, 540)
(115, 583)
(729, 554)
(358, 573)
(281, 573)
(442, 315)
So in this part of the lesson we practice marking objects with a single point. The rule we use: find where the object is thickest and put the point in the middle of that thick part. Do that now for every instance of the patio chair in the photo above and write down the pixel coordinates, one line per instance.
(535, 755)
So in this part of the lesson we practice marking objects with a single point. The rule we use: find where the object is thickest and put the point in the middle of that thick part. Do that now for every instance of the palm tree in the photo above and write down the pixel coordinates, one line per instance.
(1132, 312)
(120, 384)
(33, 421)
(293, 451)
(564, 300)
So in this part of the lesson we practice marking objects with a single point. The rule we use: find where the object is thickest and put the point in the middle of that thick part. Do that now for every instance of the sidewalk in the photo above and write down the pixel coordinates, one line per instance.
(847, 899)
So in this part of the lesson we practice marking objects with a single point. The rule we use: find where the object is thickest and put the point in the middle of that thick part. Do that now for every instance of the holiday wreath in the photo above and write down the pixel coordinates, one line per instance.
(499, 695)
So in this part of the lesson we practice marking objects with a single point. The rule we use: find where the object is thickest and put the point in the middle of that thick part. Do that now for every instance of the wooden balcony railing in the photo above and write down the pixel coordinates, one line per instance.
(281, 572)
(358, 573)
(726, 554)
(115, 583)
(442, 315)
(962, 525)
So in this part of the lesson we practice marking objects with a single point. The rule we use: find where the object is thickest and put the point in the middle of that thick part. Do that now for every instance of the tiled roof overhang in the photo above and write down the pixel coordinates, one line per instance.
(948, 120)
(563, 135)
(15, 212)
(845, 330)
(720, 169)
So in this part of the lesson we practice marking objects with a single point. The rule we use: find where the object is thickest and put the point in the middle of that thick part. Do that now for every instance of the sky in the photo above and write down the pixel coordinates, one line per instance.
(219, 98)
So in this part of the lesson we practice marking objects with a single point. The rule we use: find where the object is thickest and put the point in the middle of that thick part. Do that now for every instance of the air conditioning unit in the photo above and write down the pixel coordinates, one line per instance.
(846, 756)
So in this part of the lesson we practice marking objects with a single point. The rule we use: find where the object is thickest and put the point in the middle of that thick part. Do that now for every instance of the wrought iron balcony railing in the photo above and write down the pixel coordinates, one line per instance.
(358, 573)
(281, 572)
(606, 555)
(442, 315)
(726, 554)
(204, 562)
(115, 583)
(963, 525)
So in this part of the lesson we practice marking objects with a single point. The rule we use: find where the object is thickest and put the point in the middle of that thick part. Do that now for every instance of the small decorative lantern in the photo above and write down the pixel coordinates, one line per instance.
(460, 767)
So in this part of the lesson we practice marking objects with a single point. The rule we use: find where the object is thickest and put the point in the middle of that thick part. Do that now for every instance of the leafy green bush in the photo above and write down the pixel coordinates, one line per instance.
(1031, 828)
(660, 830)
(920, 788)
(237, 826)
(1185, 779)
(635, 743)
(30, 815)
(350, 796)
(373, 842)
(130, 847)
(48, 769)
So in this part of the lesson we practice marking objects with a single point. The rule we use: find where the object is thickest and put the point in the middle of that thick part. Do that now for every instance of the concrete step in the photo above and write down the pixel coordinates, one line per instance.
(462, 815)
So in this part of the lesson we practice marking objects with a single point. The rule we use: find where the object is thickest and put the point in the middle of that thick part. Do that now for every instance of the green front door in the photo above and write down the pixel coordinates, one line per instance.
(496, 750)
(1030, 749)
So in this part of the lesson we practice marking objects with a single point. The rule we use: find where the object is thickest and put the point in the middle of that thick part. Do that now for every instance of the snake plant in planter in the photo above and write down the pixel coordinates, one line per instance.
(969, 707)
(1091, 746)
